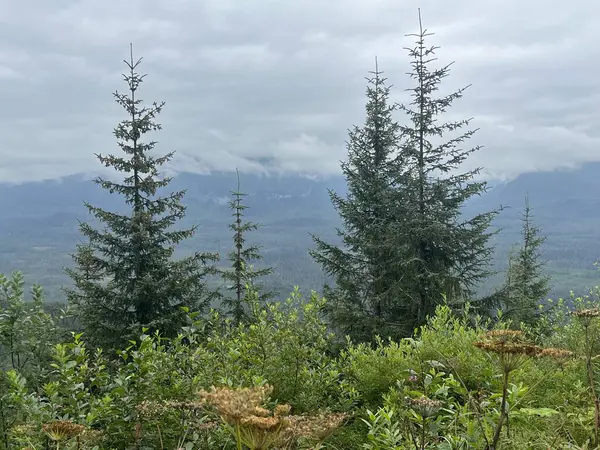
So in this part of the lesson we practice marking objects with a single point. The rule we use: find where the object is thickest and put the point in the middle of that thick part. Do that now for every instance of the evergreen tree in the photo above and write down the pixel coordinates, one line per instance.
(124, 275)
(241, 272)
(445, 253)
(526, 284)
(406, 245)
(367, 283)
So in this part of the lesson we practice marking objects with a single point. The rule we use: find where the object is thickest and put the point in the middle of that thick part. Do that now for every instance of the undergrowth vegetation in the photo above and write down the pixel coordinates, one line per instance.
(282, 381)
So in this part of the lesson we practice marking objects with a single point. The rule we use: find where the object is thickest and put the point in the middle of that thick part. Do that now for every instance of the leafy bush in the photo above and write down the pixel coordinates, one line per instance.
(444, 388)
(283, 344)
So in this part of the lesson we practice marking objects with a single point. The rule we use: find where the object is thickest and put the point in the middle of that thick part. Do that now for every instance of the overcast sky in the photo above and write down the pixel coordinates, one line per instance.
(276, 83)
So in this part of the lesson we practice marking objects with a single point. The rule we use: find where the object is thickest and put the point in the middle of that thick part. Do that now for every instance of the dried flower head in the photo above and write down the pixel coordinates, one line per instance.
(282, 410)
(312, 429)
(424, 406)
(263, 423)
(61, 430)
(233, 404)
(586, 316)
(559, 355)
(259, 411)
(591, 312)
(511, 346)
(251, 423)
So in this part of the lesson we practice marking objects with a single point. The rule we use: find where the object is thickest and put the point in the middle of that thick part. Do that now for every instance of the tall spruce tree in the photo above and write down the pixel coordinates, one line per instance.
(446, 254)
(124, 275)
(241, 271)
(363, 301)
(405, 243)
(526, 283)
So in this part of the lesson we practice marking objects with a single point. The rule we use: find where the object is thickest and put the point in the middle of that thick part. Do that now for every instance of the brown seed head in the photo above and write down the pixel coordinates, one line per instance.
(259, 411)
(233, 404)
(282, 410)
(62, 429)
(559, 355)
(586, 316)
(263, 423)
(511, 347)
(313, 428)
(586, 313)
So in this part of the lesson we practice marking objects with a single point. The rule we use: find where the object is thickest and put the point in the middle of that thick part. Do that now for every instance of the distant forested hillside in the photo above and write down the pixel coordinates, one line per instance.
(39, 223)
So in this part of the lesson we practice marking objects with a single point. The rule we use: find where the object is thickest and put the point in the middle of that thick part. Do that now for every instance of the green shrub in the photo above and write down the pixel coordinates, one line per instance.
(435, 390)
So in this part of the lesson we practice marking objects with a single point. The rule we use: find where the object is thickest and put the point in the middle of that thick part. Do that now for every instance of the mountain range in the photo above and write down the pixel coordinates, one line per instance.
(39, 223)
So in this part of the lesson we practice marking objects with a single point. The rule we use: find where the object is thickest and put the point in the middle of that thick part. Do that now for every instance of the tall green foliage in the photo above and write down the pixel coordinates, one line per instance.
(364, 269)
(27, 336)
(241, 273)
(27, 331)
(526, 283)
(149, 396)
(124, 276)
(444, 252)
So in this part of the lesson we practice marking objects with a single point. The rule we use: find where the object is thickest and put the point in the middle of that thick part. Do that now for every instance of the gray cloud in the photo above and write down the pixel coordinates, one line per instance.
(273, 85)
